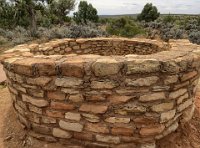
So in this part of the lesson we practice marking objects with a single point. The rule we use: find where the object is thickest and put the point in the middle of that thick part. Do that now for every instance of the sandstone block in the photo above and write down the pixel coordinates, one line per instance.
(68, 82)
(182, 98)
(55, 114)
(152, 131)
(76, 98)
(91, 118)
(122, 131)
(97, 128)
(184, 105)
(72, 116)
(73, 68)
(152, 97)
(162, 107)
(166, 116)
(106, 84)
(41, 81)
(105, 67)
(61, 133)
(115, 99)
(35, 101)
(188, 76)
(61, 106)
(171, 79)
(56, 95)
(77, 127)
(117, 120)
(188, 113)
(96, 109)
(35, 109)
(142, 66)
(48, 120)
(83, 136)
(148, 81)
(108, 139)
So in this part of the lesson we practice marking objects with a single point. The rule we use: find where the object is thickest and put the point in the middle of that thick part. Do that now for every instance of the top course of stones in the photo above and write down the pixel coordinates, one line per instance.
(134, 55)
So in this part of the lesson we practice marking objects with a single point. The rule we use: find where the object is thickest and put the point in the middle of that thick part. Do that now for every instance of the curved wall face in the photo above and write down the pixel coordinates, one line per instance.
(103, 101)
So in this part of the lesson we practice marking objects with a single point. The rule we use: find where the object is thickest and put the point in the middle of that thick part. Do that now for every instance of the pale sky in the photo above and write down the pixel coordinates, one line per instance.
(113, 7)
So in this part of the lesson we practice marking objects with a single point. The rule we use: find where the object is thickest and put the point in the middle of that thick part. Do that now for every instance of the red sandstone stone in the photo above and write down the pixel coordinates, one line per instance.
(61, 106)
(151, 131)
(189, 75)
(122, 131)
(83, 136)
(56, 95)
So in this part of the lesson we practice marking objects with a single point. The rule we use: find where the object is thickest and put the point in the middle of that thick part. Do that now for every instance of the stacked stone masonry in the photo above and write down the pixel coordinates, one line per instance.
(103, 92)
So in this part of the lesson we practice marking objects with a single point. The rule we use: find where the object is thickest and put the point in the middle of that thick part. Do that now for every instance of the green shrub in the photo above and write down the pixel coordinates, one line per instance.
(124, 27)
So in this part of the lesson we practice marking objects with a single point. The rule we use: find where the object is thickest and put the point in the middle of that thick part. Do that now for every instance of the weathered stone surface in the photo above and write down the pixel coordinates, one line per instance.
(148, 145)
(134, 108)
(106, 84)
(162, 107)
(122, 131)
(68, 82)
(96, 109)
(77, 127)
(41, 81)
(182, 98)
(73, 68)
(171, 79)
(108, 139)
(115, 99)
(148, 81)
(91, 118)
(117, 120)
(152, 131)
(142, 66)
(178, 93)
(35, 101)
(61, 106)
(54, 114)
(48, 120)
(188, 113)
(19, 88)
(106, 66)
(76, 98)
(152, 97)
(96, 97)
(169, 130)
(97, 128)
(36, 92)
(41, 129)
(56, 95)
(188, 76)
(83, 136)
(35, 109)
(184, 105)
(69, 91)
(61, 133)
(73, 116)
(166, 116)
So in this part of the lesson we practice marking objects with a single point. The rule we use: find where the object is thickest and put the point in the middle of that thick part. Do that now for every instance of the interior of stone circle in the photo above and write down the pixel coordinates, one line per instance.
(99, 47)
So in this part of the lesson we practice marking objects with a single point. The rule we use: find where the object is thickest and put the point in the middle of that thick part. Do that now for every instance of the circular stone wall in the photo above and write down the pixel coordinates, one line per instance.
(103, 92)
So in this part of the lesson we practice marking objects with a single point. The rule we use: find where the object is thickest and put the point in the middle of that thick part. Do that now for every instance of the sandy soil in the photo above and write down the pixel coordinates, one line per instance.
(12, 135)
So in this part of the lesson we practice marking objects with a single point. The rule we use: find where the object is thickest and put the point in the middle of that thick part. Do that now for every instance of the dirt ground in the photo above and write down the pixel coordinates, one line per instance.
(12, 135)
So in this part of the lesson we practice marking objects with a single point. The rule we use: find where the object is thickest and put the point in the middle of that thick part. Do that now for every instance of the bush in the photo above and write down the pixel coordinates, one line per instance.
(194, 37)
(72, 31)
(124, 27)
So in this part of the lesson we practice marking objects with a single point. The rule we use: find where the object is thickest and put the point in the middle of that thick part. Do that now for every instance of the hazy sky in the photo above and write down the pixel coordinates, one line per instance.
(111, 7)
